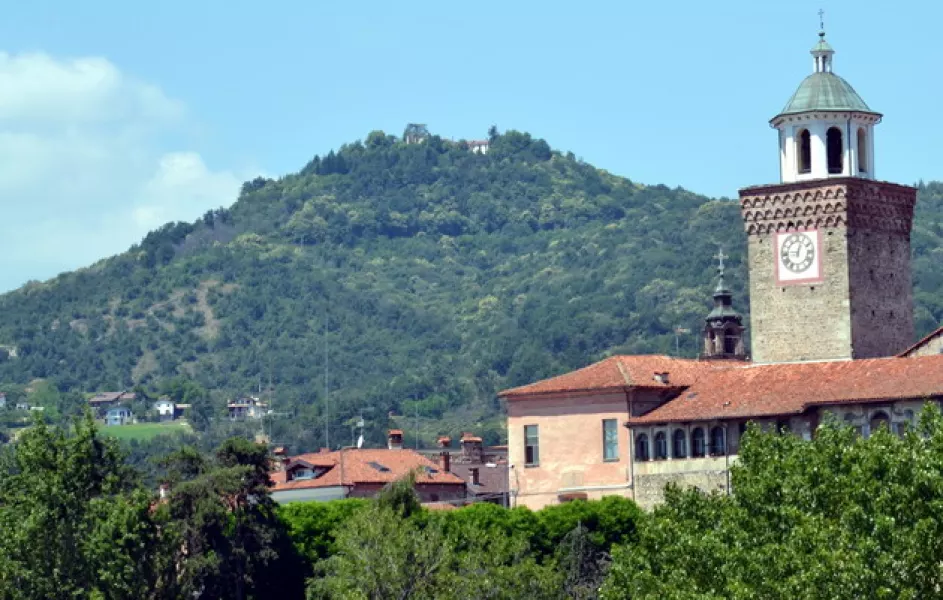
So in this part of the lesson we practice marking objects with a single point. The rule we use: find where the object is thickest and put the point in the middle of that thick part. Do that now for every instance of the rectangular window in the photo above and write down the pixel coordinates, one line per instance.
(531, 445)
(610, 439)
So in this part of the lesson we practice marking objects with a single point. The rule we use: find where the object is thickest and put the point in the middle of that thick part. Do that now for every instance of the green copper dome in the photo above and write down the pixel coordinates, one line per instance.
(825, 91)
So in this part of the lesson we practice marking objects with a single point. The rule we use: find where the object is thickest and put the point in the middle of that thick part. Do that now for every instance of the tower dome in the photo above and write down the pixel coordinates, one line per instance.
(826, 128)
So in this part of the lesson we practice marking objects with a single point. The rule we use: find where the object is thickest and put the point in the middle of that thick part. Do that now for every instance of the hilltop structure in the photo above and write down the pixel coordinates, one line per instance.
(831, 332)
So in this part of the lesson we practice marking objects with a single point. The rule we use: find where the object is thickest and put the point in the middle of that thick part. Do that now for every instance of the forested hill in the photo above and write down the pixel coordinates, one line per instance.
(440, 276)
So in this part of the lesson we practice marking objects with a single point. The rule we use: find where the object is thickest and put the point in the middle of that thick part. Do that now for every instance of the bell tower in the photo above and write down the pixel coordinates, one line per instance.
(723, 328)
(828, 246)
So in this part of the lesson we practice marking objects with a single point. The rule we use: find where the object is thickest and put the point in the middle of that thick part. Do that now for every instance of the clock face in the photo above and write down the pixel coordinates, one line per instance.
(798, 257)
(797, 252)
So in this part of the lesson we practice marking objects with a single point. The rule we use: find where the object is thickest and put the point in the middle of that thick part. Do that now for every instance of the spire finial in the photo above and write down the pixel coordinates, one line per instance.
(821, 23)
(720, 256)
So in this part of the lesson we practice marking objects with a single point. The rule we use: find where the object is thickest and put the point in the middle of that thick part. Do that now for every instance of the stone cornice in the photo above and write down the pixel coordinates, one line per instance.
(858, 204)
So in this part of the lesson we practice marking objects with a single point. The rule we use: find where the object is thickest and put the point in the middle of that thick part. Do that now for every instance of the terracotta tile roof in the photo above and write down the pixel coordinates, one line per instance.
(378, 465)
(925, 340)
(619, 373)
(783, 389)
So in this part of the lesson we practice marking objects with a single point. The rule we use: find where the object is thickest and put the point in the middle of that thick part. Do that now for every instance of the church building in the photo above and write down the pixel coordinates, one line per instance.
(831, 331)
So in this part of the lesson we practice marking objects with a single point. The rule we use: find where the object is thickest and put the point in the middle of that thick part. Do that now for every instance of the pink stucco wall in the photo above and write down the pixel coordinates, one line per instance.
(571, 448)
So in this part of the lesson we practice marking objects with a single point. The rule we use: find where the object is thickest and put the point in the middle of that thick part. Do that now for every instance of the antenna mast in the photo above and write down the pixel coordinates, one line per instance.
(327, 400)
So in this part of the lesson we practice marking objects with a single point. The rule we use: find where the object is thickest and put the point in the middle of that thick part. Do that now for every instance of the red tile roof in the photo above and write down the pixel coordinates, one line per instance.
(783, 389)
(924, 341)
(357, 469)
(622, 372)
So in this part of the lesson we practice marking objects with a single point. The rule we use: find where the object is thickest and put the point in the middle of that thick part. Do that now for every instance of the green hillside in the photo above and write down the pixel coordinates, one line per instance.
(439, 276)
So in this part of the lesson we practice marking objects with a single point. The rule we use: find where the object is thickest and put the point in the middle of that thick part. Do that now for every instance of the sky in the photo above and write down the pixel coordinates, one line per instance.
(116, 117)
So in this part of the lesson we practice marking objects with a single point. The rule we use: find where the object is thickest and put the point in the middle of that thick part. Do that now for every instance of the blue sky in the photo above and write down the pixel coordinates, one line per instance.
(116, 117)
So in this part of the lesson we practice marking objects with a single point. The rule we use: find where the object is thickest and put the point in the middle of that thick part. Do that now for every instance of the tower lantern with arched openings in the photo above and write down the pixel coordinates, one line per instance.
(826, 129)
(723, 328)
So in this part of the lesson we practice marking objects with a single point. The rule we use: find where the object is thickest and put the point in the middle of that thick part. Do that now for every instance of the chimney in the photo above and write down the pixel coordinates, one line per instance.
(471, 448)
(395, 439)
(444, 441)
(445, 462)
(474, 476)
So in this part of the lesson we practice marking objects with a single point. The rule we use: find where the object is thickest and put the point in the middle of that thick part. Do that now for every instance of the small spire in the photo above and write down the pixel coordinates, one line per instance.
(720, 256)
(822, 52)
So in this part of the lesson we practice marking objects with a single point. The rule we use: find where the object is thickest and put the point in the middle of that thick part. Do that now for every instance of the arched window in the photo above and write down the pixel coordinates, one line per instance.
(906, 424)
(697, 442)
(730, 342)
(862, 150)
(679, 444)
(661, 446)
(835, 150)
(878, 420)
(718, 441)
(804, 151)
(641, 447)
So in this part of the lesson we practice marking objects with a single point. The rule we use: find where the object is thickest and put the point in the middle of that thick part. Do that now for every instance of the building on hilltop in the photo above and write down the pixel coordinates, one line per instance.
(361, 473)
(479, 146)
(831, 331)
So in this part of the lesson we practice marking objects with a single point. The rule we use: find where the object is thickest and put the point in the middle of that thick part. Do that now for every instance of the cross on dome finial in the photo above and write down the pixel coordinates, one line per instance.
(720, 256)
(821, 23)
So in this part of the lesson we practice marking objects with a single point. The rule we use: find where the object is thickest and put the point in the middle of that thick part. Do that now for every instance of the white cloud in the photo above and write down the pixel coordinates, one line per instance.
(88, 165)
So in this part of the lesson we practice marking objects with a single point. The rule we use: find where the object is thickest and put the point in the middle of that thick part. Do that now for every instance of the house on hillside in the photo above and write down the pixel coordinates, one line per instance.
(248, 407)
(360, 473)
(168, 410)
(118, 415)
(102, 401)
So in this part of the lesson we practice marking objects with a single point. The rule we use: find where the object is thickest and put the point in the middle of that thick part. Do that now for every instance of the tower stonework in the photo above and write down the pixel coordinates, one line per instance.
(860, 303)
(828, 246)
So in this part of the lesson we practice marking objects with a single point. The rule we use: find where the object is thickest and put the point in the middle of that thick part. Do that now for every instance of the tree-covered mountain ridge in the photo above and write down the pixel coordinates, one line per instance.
(406, 279)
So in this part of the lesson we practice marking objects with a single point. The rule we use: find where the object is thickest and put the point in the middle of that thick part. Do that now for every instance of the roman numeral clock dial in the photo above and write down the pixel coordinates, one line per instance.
(797, 255)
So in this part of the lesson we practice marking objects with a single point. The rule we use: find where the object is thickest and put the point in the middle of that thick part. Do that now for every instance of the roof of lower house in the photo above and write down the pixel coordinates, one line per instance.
(792, 388)
(492, 478)
(622, 372)
(362, 466)
(101, 397)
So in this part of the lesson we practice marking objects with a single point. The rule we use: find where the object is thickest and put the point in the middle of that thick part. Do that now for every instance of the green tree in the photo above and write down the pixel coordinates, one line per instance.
(230, 541)
(71, 527)
(837, 517)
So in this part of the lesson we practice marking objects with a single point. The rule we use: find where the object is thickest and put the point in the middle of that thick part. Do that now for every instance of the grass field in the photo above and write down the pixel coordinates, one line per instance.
(145, 431)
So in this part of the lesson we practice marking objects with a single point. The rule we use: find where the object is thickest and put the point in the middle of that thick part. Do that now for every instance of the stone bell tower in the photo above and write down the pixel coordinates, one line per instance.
(829, 246)
(723, 327)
